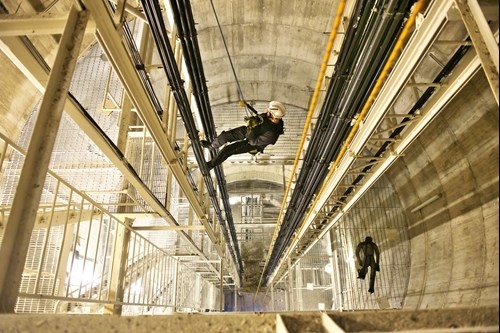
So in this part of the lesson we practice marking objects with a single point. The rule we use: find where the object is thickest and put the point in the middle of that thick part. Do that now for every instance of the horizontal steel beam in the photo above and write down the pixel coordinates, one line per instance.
(40, 24)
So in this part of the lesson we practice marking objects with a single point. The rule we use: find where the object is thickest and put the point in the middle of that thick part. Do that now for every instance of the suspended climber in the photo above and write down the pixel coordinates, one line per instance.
(260, 131)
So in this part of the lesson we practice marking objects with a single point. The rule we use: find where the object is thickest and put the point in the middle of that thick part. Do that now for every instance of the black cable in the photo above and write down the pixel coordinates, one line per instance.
(154, 16)
(184, 21)
(369, 39)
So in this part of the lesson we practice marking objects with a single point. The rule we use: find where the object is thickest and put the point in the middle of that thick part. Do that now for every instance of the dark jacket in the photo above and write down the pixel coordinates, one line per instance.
(267, 133)
(370, 251)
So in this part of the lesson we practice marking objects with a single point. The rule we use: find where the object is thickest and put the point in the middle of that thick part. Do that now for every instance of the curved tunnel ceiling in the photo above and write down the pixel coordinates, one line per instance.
(275, 52)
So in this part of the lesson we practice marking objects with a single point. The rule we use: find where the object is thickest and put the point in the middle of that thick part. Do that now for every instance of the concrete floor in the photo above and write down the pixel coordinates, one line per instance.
(481, 319)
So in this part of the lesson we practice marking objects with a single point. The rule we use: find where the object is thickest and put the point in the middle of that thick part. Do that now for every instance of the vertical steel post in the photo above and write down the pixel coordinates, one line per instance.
(287, 302)
(119, 265)
(332, 262)
(221, 300)
(27, 198)
(176, 284)
(272, 297)
(290, 285)
(336, 267)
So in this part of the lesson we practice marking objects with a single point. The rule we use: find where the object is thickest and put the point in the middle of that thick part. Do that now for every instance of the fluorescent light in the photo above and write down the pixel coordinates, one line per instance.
(426, 202)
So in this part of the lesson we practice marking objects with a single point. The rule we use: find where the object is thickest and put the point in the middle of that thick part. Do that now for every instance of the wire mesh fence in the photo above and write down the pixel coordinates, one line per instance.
(81, 258)
(326, 277)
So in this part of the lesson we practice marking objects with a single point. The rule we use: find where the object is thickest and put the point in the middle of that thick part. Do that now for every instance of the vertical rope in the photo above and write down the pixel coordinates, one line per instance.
(240, 92)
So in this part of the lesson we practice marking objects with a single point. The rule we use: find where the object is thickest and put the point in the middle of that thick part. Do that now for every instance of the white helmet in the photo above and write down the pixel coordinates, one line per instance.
(277, 109)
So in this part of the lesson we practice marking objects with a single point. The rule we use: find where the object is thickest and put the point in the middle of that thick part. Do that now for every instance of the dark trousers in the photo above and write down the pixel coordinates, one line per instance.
(239, 144)
(235, 134)
(369, 261)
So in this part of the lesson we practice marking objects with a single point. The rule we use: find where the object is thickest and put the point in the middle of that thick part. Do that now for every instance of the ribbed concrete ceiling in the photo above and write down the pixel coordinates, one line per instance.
(276, 48)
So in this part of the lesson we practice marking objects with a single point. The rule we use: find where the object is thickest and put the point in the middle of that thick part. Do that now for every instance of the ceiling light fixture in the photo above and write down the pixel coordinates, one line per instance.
(426, 203)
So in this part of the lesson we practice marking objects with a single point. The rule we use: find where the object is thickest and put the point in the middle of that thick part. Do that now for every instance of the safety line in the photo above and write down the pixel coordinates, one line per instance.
(312, 106)
(240, 92)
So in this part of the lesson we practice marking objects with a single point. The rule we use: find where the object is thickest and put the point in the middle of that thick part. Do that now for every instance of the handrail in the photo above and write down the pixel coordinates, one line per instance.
(152, 260)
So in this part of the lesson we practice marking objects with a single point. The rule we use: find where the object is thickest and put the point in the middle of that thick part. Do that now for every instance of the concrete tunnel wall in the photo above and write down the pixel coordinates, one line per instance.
(453, 165)
(454, 239)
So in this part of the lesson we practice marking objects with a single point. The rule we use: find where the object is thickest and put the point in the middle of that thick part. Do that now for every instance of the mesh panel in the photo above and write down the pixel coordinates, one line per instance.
(379, 215)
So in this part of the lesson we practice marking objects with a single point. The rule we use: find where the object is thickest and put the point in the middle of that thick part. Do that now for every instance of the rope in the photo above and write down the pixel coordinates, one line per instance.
(240, 92)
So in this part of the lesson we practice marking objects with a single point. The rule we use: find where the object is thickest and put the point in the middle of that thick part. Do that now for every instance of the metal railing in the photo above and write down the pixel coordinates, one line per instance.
(82, 258)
